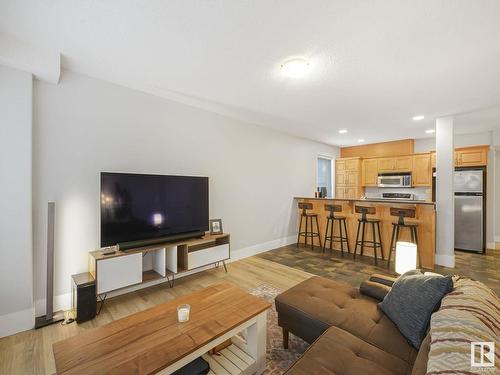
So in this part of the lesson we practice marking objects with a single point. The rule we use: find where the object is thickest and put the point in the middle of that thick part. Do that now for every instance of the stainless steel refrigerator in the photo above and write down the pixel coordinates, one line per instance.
(469, 210)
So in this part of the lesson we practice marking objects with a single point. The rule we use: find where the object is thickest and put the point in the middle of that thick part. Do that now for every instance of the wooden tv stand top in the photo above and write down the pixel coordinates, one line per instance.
(190, 242)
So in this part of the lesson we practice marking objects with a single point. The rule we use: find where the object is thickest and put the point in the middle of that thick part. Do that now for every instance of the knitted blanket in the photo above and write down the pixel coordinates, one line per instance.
(465, 331)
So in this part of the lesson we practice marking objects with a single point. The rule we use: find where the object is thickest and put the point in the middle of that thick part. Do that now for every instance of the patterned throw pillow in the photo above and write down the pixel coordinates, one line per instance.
(470, 313)
(411, 302)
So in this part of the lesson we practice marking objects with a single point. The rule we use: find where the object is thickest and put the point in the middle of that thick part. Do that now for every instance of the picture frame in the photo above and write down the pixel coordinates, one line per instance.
(215, 226)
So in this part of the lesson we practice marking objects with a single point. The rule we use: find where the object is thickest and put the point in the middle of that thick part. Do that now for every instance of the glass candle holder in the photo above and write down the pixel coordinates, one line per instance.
(183, 313)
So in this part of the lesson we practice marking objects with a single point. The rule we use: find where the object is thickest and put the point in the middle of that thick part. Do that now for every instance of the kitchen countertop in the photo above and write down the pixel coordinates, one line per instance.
(374, 200)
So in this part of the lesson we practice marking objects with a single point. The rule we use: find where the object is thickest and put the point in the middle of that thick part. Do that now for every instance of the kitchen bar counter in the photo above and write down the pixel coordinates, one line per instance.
(425, 217)
(377, 200)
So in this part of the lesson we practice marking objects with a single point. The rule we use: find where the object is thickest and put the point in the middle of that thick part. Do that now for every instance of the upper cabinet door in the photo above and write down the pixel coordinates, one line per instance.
(340, 173)
(403, 164)
(472, 157)
(386, 165)
(422, 171)
(352, 164)
(370, 172)
(339, 165)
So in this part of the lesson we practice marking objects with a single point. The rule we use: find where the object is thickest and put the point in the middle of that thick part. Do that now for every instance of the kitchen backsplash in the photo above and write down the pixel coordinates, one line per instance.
(420, 193)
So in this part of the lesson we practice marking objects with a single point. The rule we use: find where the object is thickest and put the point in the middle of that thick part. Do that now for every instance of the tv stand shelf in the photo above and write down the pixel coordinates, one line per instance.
(161, 261)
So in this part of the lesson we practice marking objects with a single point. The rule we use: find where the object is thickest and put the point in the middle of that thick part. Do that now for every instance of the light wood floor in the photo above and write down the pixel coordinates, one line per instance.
(30, 352)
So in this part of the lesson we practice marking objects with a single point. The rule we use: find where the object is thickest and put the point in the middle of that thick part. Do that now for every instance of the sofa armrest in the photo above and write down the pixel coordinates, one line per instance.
(383, 279)
(374, 289)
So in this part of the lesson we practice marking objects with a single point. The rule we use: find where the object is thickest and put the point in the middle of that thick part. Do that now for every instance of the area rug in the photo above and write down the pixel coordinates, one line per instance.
(278, 359)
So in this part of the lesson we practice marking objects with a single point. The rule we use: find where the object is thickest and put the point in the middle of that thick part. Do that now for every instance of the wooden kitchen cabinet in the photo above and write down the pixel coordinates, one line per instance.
(348, 193)
(340, 178)
(369, 172)
(403, 164)
(471, 156)
(467, 157)
(352, 178)
(395, 164)
(348, 178)
(353, 164)
(353, 193)
(340, 192)
(348, 172)
(422, 170)
(386, 165)
(340, 165)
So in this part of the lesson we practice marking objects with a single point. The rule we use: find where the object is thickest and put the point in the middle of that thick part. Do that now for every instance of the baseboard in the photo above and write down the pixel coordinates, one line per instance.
(497, 238)
(445, 260)
(16, 322)
(491, 245)
(63, 301)
(262, 247)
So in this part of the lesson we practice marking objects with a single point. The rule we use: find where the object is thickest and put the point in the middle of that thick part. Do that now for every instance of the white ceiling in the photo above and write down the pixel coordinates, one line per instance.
(375, 64)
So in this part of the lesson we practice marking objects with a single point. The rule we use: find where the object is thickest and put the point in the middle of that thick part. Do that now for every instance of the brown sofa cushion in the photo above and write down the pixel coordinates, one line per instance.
(339, 352)
(315, 304)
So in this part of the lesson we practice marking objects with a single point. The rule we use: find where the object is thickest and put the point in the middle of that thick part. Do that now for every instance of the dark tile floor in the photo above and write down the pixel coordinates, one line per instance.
(482, 267)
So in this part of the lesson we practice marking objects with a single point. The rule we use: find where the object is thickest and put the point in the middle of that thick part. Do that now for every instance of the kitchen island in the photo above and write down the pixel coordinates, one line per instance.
(425, 217)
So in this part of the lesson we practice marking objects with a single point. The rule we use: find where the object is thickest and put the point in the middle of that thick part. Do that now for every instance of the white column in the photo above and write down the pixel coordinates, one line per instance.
(445, 199)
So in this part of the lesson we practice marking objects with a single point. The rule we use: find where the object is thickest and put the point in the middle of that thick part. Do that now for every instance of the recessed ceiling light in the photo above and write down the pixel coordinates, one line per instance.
(418, 118)
(430, 131)
(361, 140)
(295, 68)
(342, 131)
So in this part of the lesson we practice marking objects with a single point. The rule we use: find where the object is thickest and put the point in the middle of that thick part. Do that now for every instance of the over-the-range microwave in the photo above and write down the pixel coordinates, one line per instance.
(394, 180)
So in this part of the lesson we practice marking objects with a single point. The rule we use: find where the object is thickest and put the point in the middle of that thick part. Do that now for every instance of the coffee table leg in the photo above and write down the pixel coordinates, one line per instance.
(256, 341)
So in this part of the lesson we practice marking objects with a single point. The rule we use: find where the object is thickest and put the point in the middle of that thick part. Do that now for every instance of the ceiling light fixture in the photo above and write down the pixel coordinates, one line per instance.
(418, 118)
(430, 131)
(295, 68)
(361, 140)
(342, 131)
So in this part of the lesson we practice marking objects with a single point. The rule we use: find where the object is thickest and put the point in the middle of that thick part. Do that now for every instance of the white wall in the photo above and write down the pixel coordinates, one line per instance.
(84, 126)
(16, 302)
(460, 140)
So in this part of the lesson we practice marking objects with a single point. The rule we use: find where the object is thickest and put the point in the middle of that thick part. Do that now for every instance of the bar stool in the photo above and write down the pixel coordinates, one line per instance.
(309, 220)
(362, 222)
(401, 213)
(330, 225)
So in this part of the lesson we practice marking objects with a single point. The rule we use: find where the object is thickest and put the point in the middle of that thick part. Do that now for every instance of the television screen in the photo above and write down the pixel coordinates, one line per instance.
(141, 207)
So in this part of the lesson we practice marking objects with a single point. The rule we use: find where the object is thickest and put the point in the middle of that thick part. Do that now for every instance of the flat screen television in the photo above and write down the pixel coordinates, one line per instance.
(143, 209)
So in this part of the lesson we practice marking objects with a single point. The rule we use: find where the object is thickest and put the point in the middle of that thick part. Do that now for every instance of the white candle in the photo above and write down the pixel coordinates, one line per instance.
(183, 313)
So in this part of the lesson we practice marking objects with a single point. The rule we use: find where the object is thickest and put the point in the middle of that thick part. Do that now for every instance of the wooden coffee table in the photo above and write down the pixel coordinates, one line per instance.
(152, 341)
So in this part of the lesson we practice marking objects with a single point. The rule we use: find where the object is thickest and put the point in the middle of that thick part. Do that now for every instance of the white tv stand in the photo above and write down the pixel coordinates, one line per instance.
(161, 261)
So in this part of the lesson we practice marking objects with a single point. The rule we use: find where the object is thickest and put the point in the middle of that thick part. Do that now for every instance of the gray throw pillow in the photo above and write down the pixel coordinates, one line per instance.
(411, 302)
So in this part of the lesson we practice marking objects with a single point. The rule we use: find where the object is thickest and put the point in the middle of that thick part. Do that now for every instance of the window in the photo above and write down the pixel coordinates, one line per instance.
(324, 175)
